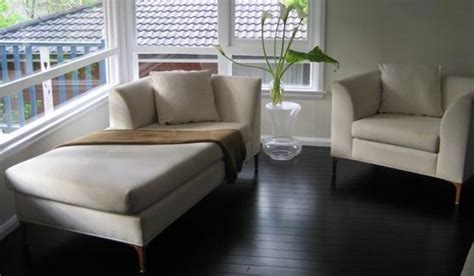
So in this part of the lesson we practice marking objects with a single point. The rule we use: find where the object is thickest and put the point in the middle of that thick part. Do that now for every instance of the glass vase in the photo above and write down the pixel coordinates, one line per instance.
(281, 145)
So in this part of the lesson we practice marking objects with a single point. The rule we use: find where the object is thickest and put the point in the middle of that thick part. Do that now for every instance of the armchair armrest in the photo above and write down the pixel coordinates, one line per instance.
(352, 99)
(132, 105)
(456, 152)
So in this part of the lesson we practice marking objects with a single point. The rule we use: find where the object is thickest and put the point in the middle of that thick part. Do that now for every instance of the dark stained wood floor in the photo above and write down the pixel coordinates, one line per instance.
(287, 221)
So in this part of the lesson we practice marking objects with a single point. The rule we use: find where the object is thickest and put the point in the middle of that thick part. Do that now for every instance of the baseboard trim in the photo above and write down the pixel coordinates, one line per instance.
(8, 227)
(308, 141)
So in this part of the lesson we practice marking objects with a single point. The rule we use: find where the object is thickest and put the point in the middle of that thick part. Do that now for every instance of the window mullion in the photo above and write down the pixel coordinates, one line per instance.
(223, 36)
(125, 33)
(318, 36)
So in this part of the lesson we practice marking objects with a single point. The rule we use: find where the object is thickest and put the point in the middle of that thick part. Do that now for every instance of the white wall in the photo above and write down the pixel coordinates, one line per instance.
(97, 118)
(362, 33)
(312, 122)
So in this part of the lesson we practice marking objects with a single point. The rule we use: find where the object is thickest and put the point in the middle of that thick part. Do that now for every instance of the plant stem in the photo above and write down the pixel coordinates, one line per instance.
(275, 43)
(275, 92)
(292, 38)
(265, 51)
(284, 69)
(247, 65)
(281, 62)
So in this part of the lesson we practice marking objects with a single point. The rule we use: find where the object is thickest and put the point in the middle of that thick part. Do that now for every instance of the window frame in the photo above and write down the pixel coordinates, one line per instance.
(225, 13)
(315, 35)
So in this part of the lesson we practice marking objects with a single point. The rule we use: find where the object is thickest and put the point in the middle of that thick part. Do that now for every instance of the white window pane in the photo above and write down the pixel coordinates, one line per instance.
(60, 31)
(247, 18)
(24, 107)
(189, 23)
(297, 75)
(169, 62)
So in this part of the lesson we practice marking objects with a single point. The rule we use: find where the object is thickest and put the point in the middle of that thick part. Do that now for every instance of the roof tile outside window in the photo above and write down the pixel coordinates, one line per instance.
(190, 23)
(248, 15)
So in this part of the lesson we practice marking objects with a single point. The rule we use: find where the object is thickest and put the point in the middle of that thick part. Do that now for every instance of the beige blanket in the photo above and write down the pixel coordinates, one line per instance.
(230, 141)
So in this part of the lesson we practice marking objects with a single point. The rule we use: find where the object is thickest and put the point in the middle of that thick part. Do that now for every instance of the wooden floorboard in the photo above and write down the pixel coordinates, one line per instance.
(287, 220)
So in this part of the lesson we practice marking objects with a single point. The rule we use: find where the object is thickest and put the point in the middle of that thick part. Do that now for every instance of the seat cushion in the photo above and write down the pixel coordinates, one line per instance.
(411, 89)
(416, 132)
(396, 157)
(243, 128)
(121, 179)
(184, 96)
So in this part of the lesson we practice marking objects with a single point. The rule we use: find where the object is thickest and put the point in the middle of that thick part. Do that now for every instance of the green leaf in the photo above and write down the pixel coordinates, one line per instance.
(300, 5)
(315, 55)
(302, 13)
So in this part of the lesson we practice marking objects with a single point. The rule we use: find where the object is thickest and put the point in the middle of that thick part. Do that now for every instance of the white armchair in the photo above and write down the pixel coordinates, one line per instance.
(441, 147)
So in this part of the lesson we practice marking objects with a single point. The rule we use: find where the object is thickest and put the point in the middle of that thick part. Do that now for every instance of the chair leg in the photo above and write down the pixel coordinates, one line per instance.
(141, 257)
(24, 233)
(458, 187)
(255, 159)
(26, 244)
(334, 166)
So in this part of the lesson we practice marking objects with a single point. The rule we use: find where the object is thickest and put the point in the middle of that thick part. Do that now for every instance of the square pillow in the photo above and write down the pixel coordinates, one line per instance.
(411, 89)
(184, 97)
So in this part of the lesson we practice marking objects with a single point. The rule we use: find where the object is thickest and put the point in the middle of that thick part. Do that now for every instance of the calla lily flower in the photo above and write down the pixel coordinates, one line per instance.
(266, 15)
(284, 12)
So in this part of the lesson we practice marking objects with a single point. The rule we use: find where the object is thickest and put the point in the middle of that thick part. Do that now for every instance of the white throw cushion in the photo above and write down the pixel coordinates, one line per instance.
(411, 89)
(184, 96)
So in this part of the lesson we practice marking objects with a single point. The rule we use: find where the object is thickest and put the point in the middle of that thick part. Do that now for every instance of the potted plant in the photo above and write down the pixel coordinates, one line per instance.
(282, 146)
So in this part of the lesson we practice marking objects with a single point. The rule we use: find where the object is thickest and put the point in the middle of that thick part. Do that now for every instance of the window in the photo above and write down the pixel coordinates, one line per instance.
(42, 98)
(49, 38)
(51, 53)
(176, 23)
(180, 35)
(246, 20)
(58, 52)
(297, 76)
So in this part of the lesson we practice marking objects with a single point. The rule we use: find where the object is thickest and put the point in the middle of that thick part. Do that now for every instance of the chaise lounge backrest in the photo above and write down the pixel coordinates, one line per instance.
(238, 99)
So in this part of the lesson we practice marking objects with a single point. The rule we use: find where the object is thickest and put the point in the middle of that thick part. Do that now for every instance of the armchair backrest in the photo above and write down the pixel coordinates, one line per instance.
(455, 87)
(451, 89)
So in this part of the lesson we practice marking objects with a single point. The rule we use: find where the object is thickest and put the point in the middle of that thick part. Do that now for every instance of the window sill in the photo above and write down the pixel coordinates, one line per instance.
(298, 94)
(11, 143)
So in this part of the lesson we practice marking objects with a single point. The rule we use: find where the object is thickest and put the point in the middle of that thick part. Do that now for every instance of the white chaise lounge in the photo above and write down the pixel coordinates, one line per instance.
(132, 193)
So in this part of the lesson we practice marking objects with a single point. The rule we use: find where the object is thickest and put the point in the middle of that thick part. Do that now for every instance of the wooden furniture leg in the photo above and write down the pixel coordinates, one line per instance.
(334, 166)
(141, 257)
(255, 158)
(458, 187)
(24, 234)
(26, 244)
